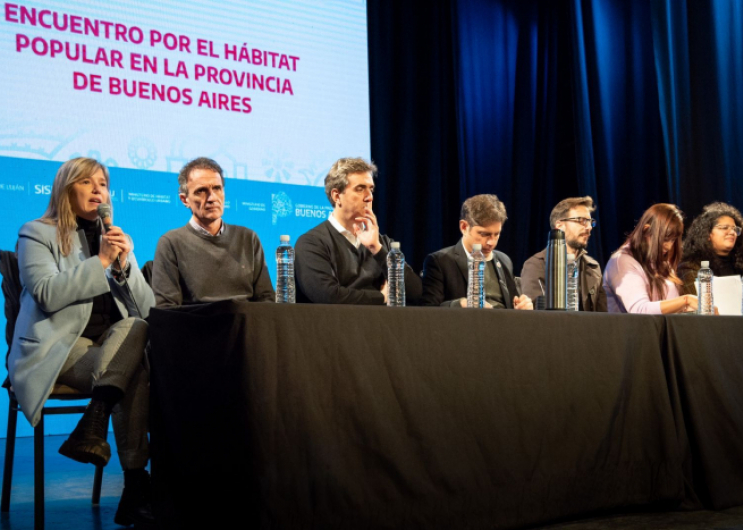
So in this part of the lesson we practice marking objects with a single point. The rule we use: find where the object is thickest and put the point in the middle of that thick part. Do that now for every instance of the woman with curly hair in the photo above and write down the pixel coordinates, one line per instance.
(641, 276)
(714, 237)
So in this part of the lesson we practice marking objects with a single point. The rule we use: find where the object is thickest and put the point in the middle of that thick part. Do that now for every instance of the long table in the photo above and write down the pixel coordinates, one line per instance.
(311, 416)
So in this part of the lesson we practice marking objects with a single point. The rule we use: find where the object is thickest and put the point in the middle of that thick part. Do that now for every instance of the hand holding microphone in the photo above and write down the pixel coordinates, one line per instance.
(115, 246)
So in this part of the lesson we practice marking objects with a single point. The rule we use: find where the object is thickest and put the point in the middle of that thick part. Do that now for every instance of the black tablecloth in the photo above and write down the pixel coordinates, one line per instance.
(362, 417)
(705, 379)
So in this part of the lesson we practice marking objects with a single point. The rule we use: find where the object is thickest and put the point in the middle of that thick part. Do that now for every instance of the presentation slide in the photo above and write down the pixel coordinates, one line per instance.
(275, 91)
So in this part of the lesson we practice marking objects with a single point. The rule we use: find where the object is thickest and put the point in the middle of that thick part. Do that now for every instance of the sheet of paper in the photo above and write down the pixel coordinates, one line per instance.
(728, 293)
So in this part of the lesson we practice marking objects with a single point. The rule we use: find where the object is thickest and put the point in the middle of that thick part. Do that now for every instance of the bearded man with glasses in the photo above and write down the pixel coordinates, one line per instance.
(572, 216)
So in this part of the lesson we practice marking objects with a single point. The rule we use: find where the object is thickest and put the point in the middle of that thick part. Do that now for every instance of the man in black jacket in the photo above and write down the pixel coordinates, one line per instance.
(445, 272)
(344, 259)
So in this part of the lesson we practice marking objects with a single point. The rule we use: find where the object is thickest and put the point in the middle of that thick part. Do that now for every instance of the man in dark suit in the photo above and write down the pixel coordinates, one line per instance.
(344, 259)
(445, 272)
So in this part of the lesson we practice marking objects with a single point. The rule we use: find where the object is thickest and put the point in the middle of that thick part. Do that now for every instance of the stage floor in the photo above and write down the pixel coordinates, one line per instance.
(68, 488)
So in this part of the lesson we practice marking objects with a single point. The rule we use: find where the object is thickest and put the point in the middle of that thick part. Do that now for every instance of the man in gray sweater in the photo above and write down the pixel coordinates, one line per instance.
(208, 260)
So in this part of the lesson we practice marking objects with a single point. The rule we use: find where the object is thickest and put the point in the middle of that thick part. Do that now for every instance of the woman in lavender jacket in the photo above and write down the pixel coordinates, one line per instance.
(640, 277)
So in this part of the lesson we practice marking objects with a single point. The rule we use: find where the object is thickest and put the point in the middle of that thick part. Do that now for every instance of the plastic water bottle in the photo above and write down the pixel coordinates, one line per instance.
(706, 302)
(395, 276)
(476, 278)
(285, 290)
(573, 270)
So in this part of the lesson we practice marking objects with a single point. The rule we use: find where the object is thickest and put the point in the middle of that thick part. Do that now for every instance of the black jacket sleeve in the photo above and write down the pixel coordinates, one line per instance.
(434, 284)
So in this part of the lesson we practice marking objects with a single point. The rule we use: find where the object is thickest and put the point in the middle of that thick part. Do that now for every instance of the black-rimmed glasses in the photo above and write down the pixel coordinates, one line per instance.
(585, 221)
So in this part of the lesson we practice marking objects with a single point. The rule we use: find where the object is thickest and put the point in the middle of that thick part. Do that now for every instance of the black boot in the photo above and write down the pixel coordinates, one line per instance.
(135, 506)
(87, 443)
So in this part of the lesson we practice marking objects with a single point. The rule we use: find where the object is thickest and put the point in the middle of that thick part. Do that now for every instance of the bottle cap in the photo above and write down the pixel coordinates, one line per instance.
(705, 264)
(477, 247)
(395, 244)
(571, 257)
(556, 234)
(284, 239)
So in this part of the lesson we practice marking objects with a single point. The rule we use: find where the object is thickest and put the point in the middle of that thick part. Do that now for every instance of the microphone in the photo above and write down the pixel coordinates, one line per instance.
(104, 212)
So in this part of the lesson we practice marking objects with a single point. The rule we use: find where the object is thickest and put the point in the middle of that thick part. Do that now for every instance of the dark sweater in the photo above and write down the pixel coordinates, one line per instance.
(330, 270)
(191, 267)
(721, 266)
(104, 312)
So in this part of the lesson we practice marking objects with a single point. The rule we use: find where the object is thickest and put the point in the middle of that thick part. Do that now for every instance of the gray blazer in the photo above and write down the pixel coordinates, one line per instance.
(56, 303)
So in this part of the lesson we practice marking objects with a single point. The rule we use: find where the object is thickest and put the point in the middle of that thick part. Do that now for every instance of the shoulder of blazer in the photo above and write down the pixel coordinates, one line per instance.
(446, 254)
(39, 230)
(503, 258)
(591, 262)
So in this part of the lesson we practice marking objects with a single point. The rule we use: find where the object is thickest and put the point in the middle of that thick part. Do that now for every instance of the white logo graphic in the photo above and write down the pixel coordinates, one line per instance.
(281, 206)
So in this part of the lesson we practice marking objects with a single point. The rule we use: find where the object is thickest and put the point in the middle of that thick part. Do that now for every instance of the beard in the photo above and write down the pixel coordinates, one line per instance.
(577, 244)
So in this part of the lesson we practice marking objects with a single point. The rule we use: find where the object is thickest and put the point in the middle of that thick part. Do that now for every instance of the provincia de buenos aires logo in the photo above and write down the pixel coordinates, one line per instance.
(283, 206)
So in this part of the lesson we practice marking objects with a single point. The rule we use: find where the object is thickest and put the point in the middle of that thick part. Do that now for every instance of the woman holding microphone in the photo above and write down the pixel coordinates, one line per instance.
(81, 324)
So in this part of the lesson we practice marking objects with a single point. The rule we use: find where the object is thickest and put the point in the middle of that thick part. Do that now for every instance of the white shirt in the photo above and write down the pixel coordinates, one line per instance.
(489, 257)
(200, 229)
(345, 233)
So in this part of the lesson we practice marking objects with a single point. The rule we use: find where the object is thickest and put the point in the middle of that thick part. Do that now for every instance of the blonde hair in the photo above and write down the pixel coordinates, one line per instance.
(59, 212)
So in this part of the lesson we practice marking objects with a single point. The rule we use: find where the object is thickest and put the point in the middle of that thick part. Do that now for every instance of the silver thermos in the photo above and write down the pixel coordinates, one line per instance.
(556, 273)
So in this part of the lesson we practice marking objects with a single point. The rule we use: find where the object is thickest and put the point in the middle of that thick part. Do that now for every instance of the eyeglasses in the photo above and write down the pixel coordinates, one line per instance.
(727, 228)
(585, 221)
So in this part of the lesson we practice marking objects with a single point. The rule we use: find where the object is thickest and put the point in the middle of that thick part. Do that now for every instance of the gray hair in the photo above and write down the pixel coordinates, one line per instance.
(197, 163)
(337, 178)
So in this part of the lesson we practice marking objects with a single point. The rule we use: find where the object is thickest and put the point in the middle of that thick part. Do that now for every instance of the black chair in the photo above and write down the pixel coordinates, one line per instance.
(11, 287)
(147, 272)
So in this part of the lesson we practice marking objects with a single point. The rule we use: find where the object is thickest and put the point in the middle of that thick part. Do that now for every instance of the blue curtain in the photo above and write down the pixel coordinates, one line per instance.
(699, 66)
(629, 101)
(413, 124)
(507, 109)
(619, 142)
(727, 43)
